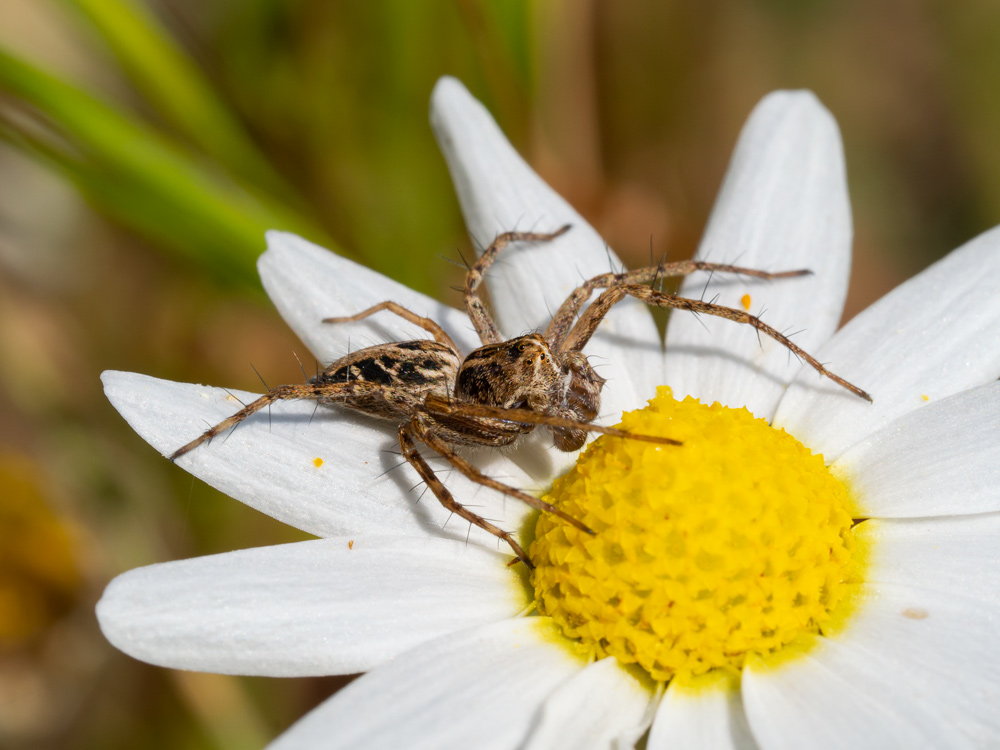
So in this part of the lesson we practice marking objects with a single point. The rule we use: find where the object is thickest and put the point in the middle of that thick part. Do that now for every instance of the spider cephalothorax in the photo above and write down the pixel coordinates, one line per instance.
(524, 373)
(505, 388)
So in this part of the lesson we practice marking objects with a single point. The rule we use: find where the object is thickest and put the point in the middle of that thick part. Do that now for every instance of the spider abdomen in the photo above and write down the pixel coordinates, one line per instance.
(406, 371)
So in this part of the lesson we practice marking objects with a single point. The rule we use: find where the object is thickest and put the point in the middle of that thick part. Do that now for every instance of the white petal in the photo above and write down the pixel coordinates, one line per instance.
(910, 667)
(330, 606)
(308, 283)
(958, 554)
(936, 335)
(783, 206)
(269, 463)
(477, 689)
(946, 634)
(499, 192)
(833, 696)
(600, 707)
(943, 459)
(706, 714)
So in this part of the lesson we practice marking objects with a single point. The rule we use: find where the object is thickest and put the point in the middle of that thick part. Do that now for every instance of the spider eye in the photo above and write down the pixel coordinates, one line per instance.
(529, 361)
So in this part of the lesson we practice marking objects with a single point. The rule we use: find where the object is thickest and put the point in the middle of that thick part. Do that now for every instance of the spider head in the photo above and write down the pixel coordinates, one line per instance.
(521, 373)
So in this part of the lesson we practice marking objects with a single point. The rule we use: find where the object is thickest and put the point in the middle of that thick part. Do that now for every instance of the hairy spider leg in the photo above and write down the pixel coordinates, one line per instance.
(422, 428)
(481, 319)
(426, 323)
(279, 393)
(407, 432)
(562, 322)
(436, 405)
(593, 315)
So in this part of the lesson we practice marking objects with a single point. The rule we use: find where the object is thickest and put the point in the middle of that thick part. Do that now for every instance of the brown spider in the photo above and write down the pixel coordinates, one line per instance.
(504, 389)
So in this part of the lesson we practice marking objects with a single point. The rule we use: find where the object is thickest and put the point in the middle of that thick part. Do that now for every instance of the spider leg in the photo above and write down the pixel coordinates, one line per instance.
(593, 315)
(436, 404)
(425, 433)
(281, 392)
(481, 319)
(407, 432)
(562, 322)
(426, 323)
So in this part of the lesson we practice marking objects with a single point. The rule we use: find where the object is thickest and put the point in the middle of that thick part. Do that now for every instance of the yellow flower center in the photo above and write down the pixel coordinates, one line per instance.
(735, 542)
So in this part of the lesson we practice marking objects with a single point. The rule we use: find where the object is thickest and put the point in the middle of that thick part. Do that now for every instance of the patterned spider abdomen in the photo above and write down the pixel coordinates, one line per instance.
(406, 371)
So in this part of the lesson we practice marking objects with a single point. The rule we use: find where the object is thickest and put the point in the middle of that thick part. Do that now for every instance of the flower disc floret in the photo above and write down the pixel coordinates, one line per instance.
(735, 542)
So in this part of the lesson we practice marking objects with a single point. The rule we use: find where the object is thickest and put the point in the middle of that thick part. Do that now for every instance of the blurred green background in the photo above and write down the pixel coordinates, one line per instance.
(145, 145)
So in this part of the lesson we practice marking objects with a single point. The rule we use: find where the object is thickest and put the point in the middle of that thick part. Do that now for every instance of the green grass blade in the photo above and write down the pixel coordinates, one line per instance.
(223, 249)
(122, 162)
(163, 73)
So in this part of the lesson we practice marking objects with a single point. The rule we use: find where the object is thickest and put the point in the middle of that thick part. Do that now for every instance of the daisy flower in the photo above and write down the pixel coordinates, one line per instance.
(895, 644)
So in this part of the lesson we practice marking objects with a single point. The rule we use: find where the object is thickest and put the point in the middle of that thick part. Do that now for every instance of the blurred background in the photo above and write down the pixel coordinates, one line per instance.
(145, 145)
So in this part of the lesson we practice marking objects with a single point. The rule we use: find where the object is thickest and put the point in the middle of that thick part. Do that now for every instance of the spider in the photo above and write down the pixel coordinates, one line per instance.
(504, 389)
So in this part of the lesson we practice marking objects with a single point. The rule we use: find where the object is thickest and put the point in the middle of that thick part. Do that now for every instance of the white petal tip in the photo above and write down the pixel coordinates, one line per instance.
(288, 247)
(115, 382)
(791, 96)
(793, 105)
(456, 113)
(276, 236)
(280, 241)
(449, 91)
